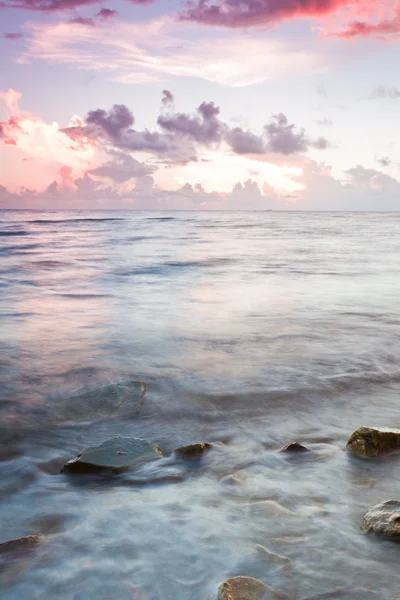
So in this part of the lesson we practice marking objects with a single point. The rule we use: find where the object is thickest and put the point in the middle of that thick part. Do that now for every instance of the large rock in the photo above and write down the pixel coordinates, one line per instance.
(19, 544)
(116, 454)
(244, 588)
(383, 519)
(368, 442)
(193, 450)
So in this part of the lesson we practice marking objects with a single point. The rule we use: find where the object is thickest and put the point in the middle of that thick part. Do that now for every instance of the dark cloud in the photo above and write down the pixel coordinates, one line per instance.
(82, 21)
(183, 135)
(60, 5)
(283, 138)
(167, 97)
(122, 168)
(245, 142)
(13, 36)
(47, 5)
(384, 161)
(382, 91)
(107, 13)
(205, 127)
(253, 13)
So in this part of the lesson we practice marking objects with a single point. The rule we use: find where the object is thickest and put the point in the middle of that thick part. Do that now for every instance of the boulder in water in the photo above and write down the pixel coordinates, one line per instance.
(244, 588)
(19, 544)
(383, 519)
(116, 454)
(193, 450)
(294, 447)
(369, 442)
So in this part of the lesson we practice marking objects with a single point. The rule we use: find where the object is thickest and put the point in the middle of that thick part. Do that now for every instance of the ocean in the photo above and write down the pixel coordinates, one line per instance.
(250, 330)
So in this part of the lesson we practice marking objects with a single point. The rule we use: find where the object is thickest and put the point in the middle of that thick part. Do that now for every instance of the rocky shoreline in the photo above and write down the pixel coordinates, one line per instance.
(124, 454)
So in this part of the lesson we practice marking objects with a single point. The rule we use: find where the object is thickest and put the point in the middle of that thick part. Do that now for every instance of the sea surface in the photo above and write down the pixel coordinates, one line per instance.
(250, 330)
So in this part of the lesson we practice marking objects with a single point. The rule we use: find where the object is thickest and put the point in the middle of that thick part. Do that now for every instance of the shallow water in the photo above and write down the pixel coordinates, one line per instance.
(253, 329)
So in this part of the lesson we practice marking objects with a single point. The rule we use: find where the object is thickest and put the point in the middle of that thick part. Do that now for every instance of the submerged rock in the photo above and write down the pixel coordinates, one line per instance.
(111, 400)
(368, 442)
(116, 454)
(383, 519)
(193, 450)
(294, 447)
(243, 588)
(19, 544)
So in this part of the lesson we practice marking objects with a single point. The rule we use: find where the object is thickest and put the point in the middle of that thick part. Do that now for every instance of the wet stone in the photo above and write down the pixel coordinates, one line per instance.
(193, 450)
(383, 519)
(294, 447)
(369, 442)
(19, 544)
(244, 588)
(116, 454)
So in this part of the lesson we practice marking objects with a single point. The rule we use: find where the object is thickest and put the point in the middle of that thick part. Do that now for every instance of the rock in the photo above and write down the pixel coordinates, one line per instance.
(294, 447)
(232, 479)
(19, 544)
(368, 442)
(114, 399)
(272, 558)
(117, 454)
(193, 450)
(243, 588)
(383, 519)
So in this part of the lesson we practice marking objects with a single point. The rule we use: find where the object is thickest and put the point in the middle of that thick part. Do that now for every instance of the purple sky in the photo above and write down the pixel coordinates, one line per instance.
(243, 104)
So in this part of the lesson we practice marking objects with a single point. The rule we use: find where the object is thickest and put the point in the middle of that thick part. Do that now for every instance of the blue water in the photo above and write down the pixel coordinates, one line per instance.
(254, 329)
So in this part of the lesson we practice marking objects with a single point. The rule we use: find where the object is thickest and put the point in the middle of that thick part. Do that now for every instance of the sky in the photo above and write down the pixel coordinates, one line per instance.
(200, 105)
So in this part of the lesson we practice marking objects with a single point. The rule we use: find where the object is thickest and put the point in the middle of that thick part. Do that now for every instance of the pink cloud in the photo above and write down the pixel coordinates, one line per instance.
(253, 13)
(13, 36)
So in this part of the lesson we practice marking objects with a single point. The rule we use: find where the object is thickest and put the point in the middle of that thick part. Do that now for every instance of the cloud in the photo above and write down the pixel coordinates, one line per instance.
(279, 137)
(82, 21)
(383, 29)
(122, 168)
(13, 36)
(254, 13)
(48, 6)
(384, 161)
(107, 13)
(381, 91)
(167, 97)
(183, 135)
(205, 127)
(245, 142)
(362, 190)
(156, 51)
(325, 122)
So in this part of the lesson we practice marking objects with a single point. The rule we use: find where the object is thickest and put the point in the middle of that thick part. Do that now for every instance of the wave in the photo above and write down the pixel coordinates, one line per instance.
(78, 220)
(7, 233)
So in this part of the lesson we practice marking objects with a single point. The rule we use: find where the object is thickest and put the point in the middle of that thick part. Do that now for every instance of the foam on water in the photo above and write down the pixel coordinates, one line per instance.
(252, 329)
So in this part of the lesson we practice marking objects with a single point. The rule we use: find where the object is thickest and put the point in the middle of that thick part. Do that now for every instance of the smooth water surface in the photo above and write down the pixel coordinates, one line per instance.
(250, 329)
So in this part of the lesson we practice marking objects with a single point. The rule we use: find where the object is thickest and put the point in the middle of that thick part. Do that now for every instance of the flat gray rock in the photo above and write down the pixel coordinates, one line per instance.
(117, 453)
(383, 519)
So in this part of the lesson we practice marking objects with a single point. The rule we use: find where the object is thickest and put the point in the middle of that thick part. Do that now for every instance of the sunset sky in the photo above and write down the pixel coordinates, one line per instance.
(210, 104)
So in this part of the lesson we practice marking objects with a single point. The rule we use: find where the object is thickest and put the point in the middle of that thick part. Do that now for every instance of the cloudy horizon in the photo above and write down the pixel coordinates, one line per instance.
(204, 105)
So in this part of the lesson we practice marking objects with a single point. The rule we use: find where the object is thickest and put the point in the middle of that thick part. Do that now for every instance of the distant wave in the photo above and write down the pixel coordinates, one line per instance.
(161, 218)
(6, 233)
(81, 220)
